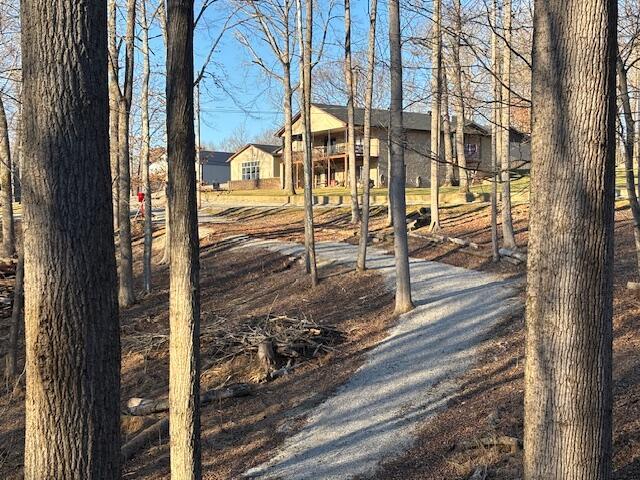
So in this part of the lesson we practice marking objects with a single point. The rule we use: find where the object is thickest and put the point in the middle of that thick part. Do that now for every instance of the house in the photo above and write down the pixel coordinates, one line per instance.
(256, 166)
(215, 167)
(330, 158)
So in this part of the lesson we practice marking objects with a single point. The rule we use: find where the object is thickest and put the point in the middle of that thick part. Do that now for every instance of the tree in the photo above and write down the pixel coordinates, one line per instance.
(568, 372)
(72, 427)
(436, 89)
(17, 315)
(508, 237)
(398, 174)
(184, 293)
(114, 107)
(446, 128)
(144, 153)
(6, 187)
(495, 131)
(351, 128)
(305, 37)
(458, 100)
(366, 152)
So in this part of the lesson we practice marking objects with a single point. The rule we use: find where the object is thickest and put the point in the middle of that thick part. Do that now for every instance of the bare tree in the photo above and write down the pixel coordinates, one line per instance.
(114, 107)
(351, 128)
(126, 295)
(184, 293)
(446, 128)
(459, 96)
(72, 426)
(305, 38)
(144, 153)
(495, 130)
(6, 187)
(568, 372)
(436, 89)
(398, 176)
(508, 237)
(361, 263)
(17, 316)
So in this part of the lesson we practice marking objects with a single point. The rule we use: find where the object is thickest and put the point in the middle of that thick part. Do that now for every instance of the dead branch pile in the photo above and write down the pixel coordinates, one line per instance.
(295, 338)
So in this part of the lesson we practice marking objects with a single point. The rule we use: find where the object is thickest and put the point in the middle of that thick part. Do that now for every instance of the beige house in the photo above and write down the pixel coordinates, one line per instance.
(256, 166)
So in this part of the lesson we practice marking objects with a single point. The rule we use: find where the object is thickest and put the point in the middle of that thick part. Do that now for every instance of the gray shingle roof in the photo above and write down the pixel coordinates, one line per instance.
(208, 157)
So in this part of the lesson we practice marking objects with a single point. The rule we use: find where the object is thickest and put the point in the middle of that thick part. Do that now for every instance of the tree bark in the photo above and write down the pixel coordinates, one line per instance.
(446, 127)
(17, 315)
(126, 295)
(508, 237)
(71, 312)
(351, 128)
(114, 109)
(184, 293)
(436, 88)
(288, 129)
(305, 94)
(166, 257)
(568, 372)
(361, 263)
(495, 131)
(459, 98)
(6, 188)
(144, 155)
(398, 174)
(629, 152)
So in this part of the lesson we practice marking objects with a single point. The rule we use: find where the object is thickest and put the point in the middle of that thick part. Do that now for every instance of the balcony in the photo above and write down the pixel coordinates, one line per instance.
(335, 150)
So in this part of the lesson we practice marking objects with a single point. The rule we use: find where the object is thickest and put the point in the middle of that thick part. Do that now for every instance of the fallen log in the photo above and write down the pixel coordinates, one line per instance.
(149, 406)
(159, 429)
(505, 252)
(512, 443)
(443, 238)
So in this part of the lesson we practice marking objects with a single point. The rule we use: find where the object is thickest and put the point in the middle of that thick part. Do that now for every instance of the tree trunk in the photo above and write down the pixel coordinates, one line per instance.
(126, 295)
(568, 373)
(17, 315)
(398, 176)
(6, 188)
(446, 127)
(305, 94)
(72, 330)
(459, 98)
(197, 115)
(184, 293)
(508, 237)
(495, 131)
(288, 131)
(351, 128)
(166, 257)
(436, 88)
(114, 109)
(629, 153)
(361, 263)
(144, 156)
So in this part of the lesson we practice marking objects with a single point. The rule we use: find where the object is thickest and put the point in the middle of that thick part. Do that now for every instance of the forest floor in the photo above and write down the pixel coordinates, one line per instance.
(241, 288)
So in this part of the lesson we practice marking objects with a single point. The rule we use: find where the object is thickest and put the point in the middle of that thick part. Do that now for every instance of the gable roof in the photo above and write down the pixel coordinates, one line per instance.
(269, 149)
(208, 157)
(380, 118)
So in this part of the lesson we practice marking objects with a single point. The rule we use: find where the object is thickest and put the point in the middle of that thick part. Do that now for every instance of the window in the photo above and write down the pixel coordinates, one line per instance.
(251, 170)
(470, 149)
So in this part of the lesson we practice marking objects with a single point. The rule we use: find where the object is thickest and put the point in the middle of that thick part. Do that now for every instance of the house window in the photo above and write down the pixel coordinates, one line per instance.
(251, 170)
(470, 149)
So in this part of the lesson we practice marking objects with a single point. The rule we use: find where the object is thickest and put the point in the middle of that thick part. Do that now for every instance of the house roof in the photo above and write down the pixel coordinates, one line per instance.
(270, 149)
(380, 118)
(207, 157)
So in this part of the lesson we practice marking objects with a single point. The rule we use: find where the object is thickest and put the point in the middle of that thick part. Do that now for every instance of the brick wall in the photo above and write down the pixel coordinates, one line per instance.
(263, 183)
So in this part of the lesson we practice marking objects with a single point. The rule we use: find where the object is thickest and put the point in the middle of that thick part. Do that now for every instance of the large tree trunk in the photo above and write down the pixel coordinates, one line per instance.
(351, 128)
(6, 187)
(495, 131)
(144, 155)
(446, 127)
(72, 331)
(126, 295)
(568, 384)
(361, 263)
(459, 97)
(114, 109)
(436, 87)
(305, 97)
(508, 237)
(398, 175)
(17, 315)
(184, 294)
(629, 153)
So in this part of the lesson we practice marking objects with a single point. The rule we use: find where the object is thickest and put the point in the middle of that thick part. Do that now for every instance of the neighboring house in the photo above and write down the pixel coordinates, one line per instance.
(329, 128)
(256, 166)
(215, 167)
